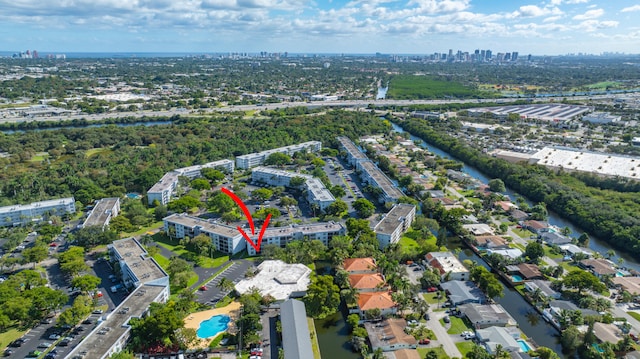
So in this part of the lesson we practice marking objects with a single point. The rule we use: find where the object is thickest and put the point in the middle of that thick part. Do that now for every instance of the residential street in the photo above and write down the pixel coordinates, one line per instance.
(445, 339)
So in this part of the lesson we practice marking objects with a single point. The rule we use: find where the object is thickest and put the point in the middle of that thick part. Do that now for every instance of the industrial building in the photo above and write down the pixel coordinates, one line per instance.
(602, 164)
(317, 193)
(256, 159)
(22, 214)
(148, 282)
(396, 222)
(555, 113)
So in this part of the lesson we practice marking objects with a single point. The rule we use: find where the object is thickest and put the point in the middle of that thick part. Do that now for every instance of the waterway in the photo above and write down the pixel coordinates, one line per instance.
(382, 93)
(595, 244)
(333, 337)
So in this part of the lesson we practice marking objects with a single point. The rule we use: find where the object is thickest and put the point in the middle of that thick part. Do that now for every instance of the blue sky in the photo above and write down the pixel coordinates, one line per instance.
(546, 27)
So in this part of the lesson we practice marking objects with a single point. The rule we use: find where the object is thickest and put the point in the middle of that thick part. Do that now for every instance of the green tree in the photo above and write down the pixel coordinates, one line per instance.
(35, 254)
(200, 184)
(323, 297)
(297, 181)
(220, 203)
(534, 251)
(212, 174)
(570, 339)
(496, 185)
(580, 280)
(277, 159)
(337, 191)
(337, 208)
(160, 212)
(86, 283)
(262, 194)
(183, 204)
(364, 208)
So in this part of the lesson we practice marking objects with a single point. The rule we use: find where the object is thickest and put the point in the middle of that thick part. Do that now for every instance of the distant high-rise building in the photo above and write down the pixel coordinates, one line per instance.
(514, 56)
(507, 56)
(483, 55)
(488, 55)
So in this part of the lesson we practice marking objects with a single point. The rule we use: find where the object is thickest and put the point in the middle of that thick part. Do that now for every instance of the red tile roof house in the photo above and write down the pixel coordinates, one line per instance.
(360, 265)
(375, 300)
(367, 282)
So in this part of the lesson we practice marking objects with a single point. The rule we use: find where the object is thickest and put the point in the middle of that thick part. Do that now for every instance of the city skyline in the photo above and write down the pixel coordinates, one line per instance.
(551, 27)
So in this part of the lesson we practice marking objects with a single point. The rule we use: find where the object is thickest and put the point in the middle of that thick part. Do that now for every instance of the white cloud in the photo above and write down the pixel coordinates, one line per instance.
(631, 8)
(558, 2)
(593, 25)
(591, 14)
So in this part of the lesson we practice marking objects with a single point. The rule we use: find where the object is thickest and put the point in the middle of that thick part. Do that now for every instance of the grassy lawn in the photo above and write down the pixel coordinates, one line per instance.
(518, 245)
(441, 354)
(181, 251)
(523, 233)
(548, 253)
(224, 302)
(314, 339)
(457, 325)
(464, 347)
(10, 335)
(39, 157)
(431, 298)
(95, 151)
(633, 314)
(162, 261)
(143, 230)
(409, 246)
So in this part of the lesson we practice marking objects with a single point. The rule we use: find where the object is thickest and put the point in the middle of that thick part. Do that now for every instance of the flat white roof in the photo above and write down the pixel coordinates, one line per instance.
(278, 279)
(394, 218)
(165, 183)
(35, 205)
(546, 112)
(597, 163)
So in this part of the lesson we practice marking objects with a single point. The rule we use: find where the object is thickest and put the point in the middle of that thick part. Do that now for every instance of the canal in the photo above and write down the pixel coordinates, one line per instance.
(595, 244)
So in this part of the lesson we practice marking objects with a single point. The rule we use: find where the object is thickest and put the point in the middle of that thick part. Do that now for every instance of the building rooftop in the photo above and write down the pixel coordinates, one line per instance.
(359, 264)
(630, 284)
(445, 262)
(544, 286)
(375, 300)
(165, 183)
(607, 332)
(394, 218)
(101, 212)
(546, 112)
(115, 325)
(278, 279)
(143, 266)
(599, 266)
(486, 312)
(366, 281)
(381, 180)
(35, 205)
(529, 270)
(205, 225)
(296, 339)
(462, 291)
(389, 332)
(351, 148)
(604, 164)
(197, 168)
(479, 229)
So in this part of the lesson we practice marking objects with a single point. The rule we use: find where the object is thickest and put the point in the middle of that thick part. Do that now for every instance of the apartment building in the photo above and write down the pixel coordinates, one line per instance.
(164, 189)
(192, 172)
(354, 155)
(224, 238)
(21, 214)
(149, 283)
(317, 193)
(102, 213)
(281, 236)
(448, 265)
(371, 174)
(256, 159)
(396, 222)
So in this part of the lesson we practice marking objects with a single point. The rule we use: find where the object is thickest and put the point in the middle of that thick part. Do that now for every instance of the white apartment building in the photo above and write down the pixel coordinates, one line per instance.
(163, 190)
(354, 155)
(371, 174)
(317, 193)
(195, 171)
(166, 187)
(149, 283)
(102, 213)
(21, 214)
(224, 238)
(281, 236)
(256, 159)
(394, 224)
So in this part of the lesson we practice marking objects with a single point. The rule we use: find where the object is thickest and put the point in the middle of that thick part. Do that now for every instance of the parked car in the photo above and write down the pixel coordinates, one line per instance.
(432, 289)
(446, 319)
(44, 345)
(54, 337)
(17, 343)
(424, 341)
(34, 354)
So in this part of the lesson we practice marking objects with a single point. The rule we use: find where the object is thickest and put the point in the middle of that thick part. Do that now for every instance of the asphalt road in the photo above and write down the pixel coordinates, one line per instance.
(269, 335)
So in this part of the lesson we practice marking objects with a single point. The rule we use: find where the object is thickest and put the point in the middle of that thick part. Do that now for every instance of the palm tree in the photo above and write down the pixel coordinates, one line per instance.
(610, 253)
(350, 296)
(537, 296)
(225, 285)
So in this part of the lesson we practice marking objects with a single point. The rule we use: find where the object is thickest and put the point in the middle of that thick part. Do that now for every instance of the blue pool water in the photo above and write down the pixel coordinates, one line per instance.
(597, 348)
(516, 278)
(524, 345)
(212, 326)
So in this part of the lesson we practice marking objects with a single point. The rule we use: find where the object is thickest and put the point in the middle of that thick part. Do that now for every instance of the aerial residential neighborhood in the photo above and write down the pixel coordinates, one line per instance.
(206, 210)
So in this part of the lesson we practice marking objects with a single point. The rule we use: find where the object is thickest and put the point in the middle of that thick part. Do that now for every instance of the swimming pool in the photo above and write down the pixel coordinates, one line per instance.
(524, 345)
(212, 326)
(597, 348)
(516, 278)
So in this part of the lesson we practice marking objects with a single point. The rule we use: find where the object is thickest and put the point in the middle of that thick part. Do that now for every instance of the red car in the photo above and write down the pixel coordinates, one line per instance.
(53, 245)
(203, 288)
(432, 289)
(424, 341)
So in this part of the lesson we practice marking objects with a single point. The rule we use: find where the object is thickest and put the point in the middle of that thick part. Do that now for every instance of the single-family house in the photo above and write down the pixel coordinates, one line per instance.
(544, 286)
(368, 282)
(389, 335)
(529, 271)
(607, 332)
(537, 227)
(506, 337)
(479, 229)
(403, 354)
(505, 205)
(557, 306)
(491, 242)
(630, 284)
(463, 292)
(448, 265)
(571, 250)
(510, 253)
(598, 266)
(518, 215)
(554, 238)
(487, 315)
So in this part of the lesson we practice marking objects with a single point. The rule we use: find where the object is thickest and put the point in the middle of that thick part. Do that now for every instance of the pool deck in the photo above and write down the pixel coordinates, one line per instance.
(193, 320)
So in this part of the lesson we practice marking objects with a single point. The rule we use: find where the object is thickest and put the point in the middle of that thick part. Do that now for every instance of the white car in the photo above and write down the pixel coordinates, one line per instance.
(44, 345)
(54, 337)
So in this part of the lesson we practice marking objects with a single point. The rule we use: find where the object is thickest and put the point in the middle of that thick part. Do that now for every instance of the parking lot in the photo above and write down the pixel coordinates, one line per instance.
(211, 294)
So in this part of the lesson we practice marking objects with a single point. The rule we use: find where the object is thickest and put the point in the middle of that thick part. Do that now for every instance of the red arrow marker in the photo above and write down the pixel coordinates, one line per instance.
(242, 207)
(257, 245)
